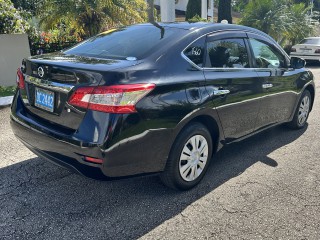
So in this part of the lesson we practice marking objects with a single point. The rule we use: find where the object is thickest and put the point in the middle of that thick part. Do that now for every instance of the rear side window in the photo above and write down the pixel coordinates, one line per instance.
(227, 53)
(133, 42)
(195, 52)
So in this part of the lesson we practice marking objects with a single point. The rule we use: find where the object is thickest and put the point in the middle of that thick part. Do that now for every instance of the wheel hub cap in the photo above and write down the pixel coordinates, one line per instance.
(193, 158)
(304, 109)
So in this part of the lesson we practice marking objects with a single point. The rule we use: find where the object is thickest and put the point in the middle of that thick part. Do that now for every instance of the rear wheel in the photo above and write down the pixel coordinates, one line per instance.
(302, 112)
(189, 158)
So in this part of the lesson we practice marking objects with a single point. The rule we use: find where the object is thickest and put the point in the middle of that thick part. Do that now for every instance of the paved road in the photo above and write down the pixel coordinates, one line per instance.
(266, 187)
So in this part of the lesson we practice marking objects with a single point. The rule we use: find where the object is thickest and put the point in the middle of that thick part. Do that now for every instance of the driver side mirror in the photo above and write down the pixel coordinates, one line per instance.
(297, 63)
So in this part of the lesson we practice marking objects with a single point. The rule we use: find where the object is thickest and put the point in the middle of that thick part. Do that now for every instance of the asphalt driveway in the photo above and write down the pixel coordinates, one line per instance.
(265, 187)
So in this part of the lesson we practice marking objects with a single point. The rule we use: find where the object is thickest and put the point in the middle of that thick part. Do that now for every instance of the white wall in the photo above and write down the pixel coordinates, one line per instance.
(182, 5)
(13, 48)
(167, 11)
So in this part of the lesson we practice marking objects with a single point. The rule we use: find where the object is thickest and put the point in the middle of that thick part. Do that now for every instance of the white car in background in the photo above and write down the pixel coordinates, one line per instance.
(308, 49)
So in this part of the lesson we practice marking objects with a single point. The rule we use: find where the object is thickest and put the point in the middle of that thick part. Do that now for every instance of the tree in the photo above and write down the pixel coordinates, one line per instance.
(281, 19)
(11, 20)
(301, 23)
(239, 5)
(193, 9)
(27, 5)
(89, 17)
(224, 11)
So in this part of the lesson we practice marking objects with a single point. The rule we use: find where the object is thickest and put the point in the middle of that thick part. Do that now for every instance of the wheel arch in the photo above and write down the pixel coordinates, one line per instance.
(210, 120)
(211, 124)
(188, 128)
(311, 89)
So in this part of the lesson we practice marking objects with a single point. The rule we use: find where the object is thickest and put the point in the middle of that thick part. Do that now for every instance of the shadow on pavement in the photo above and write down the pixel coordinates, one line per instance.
(41, 200)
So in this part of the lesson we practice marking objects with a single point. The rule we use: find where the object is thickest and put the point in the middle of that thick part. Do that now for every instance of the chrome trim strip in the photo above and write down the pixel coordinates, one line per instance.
(189, 61)
(220, 92)
(267, 85)
(229, 69)
(54, 86)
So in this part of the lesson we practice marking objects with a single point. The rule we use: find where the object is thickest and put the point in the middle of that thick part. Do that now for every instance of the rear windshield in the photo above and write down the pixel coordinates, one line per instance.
(313, 41)
(133, 42)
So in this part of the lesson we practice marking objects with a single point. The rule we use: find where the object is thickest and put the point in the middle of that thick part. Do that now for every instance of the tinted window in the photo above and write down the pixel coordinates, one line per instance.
(227, 53)
(195, 52)
(133, 42)
(266, 56)
(313, 41)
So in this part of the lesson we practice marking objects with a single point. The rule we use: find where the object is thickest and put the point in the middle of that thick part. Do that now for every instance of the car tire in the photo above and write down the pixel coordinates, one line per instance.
(189, 158)
(302, 112)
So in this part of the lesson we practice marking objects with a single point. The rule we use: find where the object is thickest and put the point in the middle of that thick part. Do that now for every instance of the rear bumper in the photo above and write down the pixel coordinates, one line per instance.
(134, 154)
(61, 153)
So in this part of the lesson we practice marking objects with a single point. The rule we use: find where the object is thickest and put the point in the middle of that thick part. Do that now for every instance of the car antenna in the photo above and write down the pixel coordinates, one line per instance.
(160, 27)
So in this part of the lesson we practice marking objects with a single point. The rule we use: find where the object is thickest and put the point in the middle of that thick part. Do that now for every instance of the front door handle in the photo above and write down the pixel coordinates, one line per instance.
(267, 85)
(220, 92)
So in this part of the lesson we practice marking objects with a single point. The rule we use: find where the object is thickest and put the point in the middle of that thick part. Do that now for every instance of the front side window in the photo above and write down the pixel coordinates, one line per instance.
(227, 53)
(266, 56)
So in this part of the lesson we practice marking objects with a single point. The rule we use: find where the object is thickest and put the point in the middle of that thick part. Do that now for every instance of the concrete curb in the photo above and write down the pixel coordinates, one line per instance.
(5, 101)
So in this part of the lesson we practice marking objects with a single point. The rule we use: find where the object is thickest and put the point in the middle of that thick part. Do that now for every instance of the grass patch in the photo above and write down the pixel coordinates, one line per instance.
(7, 91)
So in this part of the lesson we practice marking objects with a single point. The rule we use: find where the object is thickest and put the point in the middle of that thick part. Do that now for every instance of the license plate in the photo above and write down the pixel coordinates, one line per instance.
(306, 50)
(44, 99)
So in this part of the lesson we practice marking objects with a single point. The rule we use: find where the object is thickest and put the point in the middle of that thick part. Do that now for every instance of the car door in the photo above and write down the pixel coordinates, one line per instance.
(234, 86)
(279, 88)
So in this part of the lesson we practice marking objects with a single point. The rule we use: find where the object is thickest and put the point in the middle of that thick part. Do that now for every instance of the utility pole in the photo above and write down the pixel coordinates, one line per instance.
(204, 9)
(212, 10)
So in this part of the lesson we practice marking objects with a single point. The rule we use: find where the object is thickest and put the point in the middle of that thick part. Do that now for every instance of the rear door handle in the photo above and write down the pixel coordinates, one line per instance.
(267, 85)
(220, 92)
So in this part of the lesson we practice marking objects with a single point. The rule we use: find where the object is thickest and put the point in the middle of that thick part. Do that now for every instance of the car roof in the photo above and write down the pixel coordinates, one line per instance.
(188, 32)
(206, 27)
(202, 26)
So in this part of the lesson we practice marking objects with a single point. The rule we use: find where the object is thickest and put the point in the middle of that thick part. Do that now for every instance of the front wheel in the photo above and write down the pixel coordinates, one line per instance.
(189, 158)
(302, 112)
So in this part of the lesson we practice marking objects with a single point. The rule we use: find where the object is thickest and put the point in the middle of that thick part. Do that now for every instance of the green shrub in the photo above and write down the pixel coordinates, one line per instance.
(197, 18)
(11, 20)
(193, 9)
(7, 91)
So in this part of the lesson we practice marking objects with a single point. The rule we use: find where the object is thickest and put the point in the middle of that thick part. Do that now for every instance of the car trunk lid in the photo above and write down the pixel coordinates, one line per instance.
(307, 49)
(51, 79)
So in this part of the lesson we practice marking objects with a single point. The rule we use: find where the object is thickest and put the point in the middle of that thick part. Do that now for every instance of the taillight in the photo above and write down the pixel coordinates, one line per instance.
(20, 79)
(317, 51)
(112, 99)
(293, 50)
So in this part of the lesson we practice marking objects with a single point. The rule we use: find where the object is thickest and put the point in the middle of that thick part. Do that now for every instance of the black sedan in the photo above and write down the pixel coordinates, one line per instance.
(157, 98)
